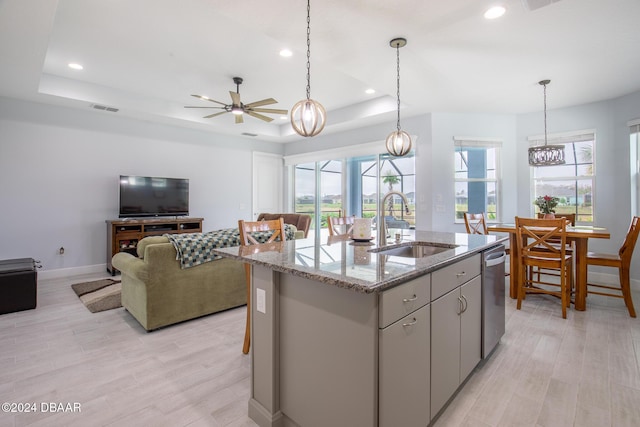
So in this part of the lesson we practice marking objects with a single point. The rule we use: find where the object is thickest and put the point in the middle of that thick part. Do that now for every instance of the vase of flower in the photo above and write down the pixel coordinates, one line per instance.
(547, 205)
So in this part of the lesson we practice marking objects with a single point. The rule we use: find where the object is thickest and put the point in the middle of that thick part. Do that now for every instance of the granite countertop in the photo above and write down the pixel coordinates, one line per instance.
(341, 262)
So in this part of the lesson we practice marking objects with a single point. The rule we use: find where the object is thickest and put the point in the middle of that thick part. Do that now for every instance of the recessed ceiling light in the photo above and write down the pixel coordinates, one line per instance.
(284, 118)
(75, 66)
(370, 91)
(286, 53)
(495, 12)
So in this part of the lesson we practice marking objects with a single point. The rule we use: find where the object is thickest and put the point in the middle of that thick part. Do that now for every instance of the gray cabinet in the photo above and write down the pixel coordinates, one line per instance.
(455, 328)
(471, 327)
(404, 355)
(445, 349)
(404, 371)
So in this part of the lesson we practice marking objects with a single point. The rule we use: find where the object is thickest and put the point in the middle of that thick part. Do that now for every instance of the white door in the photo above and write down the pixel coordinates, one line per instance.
(268, 171)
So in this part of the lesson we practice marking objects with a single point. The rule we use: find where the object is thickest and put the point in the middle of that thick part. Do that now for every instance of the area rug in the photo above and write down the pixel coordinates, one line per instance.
(99, 295)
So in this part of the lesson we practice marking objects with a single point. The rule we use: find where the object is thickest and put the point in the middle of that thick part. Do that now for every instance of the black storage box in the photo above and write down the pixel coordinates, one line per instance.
(18, 285)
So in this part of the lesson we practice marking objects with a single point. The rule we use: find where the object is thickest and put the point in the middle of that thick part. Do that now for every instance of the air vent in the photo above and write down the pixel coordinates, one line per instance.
(104, 108)
(249, 134)
(537, 4)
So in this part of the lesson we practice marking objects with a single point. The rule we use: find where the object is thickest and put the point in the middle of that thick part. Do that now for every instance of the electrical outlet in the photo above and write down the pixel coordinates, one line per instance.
(261, 297)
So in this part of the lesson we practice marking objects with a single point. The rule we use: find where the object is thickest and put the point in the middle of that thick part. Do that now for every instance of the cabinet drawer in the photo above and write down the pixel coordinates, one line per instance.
(454, 275)
(403, 299)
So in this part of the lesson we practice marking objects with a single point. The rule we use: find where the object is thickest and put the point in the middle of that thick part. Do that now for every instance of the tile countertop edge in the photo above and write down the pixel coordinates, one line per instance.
(439, 260)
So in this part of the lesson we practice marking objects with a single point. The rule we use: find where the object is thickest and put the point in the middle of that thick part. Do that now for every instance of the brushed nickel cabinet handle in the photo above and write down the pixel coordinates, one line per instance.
(461, 274)
(413, 298)
(413, 322)
(466, 304)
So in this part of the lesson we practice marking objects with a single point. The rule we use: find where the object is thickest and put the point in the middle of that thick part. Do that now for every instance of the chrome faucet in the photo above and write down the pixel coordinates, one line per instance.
(382, 227)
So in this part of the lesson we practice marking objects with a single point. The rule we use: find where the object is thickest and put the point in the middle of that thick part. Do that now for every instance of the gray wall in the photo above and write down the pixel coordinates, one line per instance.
(59, 170)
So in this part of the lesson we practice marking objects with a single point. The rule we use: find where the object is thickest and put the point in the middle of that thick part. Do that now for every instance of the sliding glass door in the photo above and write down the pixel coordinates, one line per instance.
(355, 186)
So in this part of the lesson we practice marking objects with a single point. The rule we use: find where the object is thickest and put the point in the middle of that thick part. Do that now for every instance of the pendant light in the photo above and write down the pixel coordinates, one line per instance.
(546, 155)
(308, 117)
(398, 142)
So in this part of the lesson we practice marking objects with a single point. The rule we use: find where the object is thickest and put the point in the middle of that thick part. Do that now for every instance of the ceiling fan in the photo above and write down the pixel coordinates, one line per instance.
(238, 108)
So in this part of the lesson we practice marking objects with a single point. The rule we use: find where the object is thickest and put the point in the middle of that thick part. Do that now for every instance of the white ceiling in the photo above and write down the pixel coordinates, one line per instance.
(145, 57)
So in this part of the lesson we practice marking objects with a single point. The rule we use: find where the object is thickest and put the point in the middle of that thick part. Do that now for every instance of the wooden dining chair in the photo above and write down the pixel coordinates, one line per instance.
(245, 229)
(571, 220)
(533, 234)
(340, 225)
(475, 223)
(571, 217)
(621, 261)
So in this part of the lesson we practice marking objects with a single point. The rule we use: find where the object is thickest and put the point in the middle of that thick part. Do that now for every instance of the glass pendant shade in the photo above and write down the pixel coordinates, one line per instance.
(399, 143)
(308, 117)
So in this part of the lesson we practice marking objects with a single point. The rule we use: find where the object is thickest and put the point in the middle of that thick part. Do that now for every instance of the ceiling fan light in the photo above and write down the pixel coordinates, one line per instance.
(308, 117)
(236, 110)
(399, 143)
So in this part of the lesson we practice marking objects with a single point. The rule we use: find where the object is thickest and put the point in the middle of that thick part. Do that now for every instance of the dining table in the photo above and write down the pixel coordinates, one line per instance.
(579, 234)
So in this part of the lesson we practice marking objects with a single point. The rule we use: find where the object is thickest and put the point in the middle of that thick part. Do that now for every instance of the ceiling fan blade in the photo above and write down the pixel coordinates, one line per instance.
(214, 114)
(268, 110)
(235, 98)
(204, 98)
(258, 116)
(239, 119)
(267, 101)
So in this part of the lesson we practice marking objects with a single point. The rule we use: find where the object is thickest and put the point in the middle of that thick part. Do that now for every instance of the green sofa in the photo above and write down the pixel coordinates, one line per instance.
(157, 292)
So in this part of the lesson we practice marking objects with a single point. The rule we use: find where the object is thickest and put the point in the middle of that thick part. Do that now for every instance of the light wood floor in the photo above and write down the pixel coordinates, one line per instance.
(583, 371)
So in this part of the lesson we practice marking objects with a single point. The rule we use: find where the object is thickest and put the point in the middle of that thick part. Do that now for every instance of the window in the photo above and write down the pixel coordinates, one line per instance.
(305, 190)
(476, 177)
(330, 190)
(353, 186)
(399, 174)
(573, 182)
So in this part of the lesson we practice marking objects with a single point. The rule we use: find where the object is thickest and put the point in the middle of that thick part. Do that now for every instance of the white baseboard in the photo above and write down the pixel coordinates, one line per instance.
(73, 271)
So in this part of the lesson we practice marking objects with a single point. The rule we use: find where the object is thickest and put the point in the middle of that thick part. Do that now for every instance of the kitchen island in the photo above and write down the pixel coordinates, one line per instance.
(348, 333)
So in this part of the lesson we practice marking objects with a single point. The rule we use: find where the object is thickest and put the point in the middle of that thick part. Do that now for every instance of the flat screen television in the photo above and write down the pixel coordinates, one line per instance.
(146, 196)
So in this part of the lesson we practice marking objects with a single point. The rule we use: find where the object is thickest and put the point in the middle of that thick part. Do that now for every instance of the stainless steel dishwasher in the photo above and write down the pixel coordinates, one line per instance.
(493, 294)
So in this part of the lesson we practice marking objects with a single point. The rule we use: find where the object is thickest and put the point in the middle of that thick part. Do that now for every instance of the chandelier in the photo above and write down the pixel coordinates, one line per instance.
(308, 117)
(546, 155)
(398, 142)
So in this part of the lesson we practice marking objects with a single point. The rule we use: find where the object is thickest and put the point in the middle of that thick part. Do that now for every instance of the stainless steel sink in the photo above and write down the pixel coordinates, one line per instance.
(415, 249)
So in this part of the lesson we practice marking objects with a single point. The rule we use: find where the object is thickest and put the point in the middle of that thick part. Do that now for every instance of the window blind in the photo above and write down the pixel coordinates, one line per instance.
(564, 138)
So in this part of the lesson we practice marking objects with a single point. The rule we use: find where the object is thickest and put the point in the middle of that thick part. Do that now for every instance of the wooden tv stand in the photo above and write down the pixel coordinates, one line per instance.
(123, 235)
